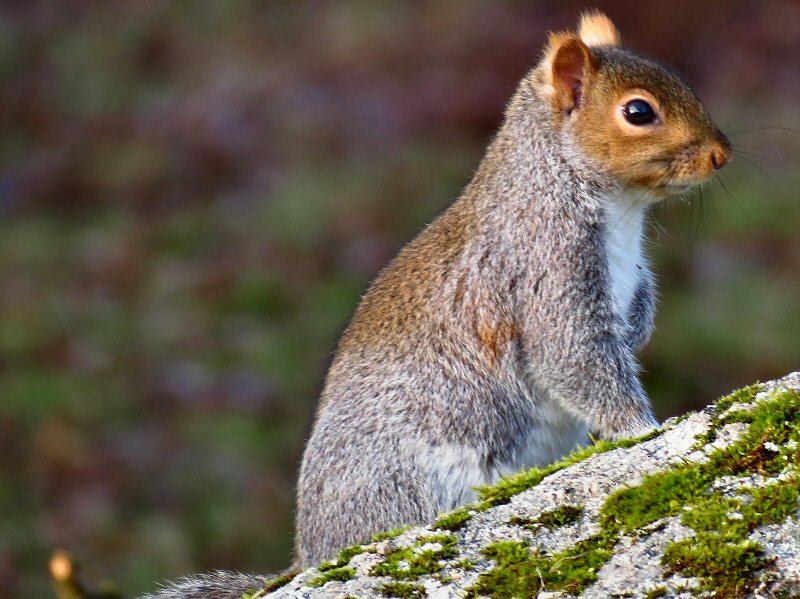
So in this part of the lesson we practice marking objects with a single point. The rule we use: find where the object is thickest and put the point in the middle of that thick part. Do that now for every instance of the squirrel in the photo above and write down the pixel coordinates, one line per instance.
(507, 330)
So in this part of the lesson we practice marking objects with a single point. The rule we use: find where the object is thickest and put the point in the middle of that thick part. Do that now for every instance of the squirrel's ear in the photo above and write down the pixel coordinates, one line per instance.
(596, 29)
(569, 64)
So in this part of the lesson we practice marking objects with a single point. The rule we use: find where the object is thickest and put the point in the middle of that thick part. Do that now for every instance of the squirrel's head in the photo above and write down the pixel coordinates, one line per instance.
(641, 123)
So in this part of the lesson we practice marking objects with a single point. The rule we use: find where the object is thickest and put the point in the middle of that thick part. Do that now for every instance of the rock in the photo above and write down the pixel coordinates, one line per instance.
(707, 506)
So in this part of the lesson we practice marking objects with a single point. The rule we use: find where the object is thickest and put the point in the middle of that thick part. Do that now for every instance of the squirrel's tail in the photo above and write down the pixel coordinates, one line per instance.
(217, 585)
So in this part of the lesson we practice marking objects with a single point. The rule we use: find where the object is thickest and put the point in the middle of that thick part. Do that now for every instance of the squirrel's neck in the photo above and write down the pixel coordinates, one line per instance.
(531, 163)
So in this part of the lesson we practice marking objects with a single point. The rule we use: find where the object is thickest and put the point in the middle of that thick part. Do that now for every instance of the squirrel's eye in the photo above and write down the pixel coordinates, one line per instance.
(639, 112)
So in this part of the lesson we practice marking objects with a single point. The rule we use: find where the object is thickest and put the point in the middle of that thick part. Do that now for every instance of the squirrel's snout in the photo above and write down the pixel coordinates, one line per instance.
(721, 152)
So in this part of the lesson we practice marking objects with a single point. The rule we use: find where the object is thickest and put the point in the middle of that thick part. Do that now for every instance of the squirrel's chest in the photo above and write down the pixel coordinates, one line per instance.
(623, 247)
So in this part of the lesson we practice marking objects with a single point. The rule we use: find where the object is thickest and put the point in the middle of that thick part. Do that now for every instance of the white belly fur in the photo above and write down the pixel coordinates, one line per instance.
(455, 471)
(624, 223)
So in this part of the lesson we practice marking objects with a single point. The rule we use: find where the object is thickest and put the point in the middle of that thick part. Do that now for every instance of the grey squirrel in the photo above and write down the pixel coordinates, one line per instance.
(506, 331)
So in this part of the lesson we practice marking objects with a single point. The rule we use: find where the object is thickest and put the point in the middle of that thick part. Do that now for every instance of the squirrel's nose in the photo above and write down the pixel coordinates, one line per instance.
(721, 152)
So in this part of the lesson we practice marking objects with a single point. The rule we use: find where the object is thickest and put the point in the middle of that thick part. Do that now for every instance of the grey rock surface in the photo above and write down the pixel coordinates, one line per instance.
(635, 567)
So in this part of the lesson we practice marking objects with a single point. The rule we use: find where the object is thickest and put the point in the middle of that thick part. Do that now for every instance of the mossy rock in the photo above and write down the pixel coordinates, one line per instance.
(707, 506)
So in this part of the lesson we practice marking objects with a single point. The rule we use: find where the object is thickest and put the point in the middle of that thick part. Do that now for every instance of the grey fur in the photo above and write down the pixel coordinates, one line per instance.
(489, 344)
(217, 585)
(641, 312)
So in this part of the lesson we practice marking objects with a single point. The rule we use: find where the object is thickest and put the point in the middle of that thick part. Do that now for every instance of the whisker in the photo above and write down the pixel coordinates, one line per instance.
(660, 230)
(757, 166)
(750, 146)
(734, 190)
(761, 128)
(737, 123)
(713, 206)
(740, 152)
(700, 225)
(727, 191)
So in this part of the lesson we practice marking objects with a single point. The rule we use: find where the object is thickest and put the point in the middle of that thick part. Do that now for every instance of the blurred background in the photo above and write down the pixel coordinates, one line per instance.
(193, 196)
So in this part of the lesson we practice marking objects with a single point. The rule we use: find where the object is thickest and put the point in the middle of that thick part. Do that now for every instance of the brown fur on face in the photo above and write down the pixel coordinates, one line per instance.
(590, 81)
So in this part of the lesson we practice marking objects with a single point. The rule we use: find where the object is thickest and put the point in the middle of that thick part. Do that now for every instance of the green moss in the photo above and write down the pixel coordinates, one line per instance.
(514, 574)
(512, 485)
(390, 534)
(720, 554)
(522, 571)
(464, 564)
(649, 529)
(726, 566)
(745, 395)
(340, 574)
(344, 557)
(413, 562)
(678, 419)
(744, 416)
(659, 591)
(454, 520)
(271, 585)
(524, 522)
(576, 568)
(561, 516)
(664, 494)
(402, 589)
(772, 503)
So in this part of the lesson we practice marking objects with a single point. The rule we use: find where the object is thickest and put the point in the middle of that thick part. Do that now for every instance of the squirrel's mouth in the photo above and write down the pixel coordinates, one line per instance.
(671, 188)
(666, 190)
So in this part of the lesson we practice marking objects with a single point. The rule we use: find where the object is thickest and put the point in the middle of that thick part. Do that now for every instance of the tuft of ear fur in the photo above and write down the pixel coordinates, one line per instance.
(568, 64)
(596, 29)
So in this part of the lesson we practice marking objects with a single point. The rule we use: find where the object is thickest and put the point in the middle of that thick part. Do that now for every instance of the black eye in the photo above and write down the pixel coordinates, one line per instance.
(638, 112)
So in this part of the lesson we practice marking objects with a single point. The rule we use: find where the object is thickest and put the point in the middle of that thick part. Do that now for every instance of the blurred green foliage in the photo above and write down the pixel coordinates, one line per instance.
(193, 196)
